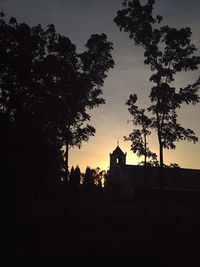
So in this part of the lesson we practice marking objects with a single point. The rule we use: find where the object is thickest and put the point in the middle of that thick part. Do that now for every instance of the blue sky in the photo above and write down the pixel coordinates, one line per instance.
(78, 19)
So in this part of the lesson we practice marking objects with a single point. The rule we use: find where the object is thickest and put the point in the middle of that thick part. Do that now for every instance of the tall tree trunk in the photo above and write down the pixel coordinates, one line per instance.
(161, 179)
(67, 161)
(161, 153)
(145, 150)
(146, 212)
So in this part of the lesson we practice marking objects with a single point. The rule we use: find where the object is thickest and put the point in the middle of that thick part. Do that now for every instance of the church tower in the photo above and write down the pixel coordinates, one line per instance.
(117, 158)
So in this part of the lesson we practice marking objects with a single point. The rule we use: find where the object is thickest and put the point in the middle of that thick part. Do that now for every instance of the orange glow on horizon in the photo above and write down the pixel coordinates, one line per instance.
(95, 153)
(84, 157)
(83, 160)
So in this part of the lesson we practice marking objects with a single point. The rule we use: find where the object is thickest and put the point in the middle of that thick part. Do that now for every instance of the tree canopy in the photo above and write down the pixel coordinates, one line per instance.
(46, 91)
(167, 51)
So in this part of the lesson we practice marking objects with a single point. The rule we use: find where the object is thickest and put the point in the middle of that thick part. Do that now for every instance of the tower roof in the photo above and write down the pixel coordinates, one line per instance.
(118, 151)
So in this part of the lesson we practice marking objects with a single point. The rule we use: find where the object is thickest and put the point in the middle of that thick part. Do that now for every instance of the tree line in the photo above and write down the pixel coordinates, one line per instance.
(91, 181)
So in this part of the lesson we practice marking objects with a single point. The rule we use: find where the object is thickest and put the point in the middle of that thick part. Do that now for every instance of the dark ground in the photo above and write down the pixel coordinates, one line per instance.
(103, 232)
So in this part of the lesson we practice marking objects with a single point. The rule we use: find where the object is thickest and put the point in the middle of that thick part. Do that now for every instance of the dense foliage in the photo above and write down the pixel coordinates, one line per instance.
(167, 51)
(46, 91)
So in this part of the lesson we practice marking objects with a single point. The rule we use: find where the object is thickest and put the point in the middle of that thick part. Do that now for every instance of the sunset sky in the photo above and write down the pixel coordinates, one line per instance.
(78, 19)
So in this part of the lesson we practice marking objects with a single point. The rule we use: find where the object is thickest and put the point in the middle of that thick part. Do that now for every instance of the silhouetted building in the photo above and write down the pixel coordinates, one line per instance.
(118, 157)
(127, 180)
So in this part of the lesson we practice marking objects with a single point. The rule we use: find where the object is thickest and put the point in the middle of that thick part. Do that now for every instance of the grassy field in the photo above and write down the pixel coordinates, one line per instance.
(104, 232)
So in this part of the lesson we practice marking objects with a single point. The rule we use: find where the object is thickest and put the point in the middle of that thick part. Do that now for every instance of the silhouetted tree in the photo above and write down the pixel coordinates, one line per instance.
(94, 63)
(88, 182)
(139, 145)
(174, 165)
(46, 84)
(76, 178)
(168, 51)
(96, 177)
(106, 179)
(23, 95)
(71, 175)
(46, 89)
(152, 162)
(102, 178)
(138, 137)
